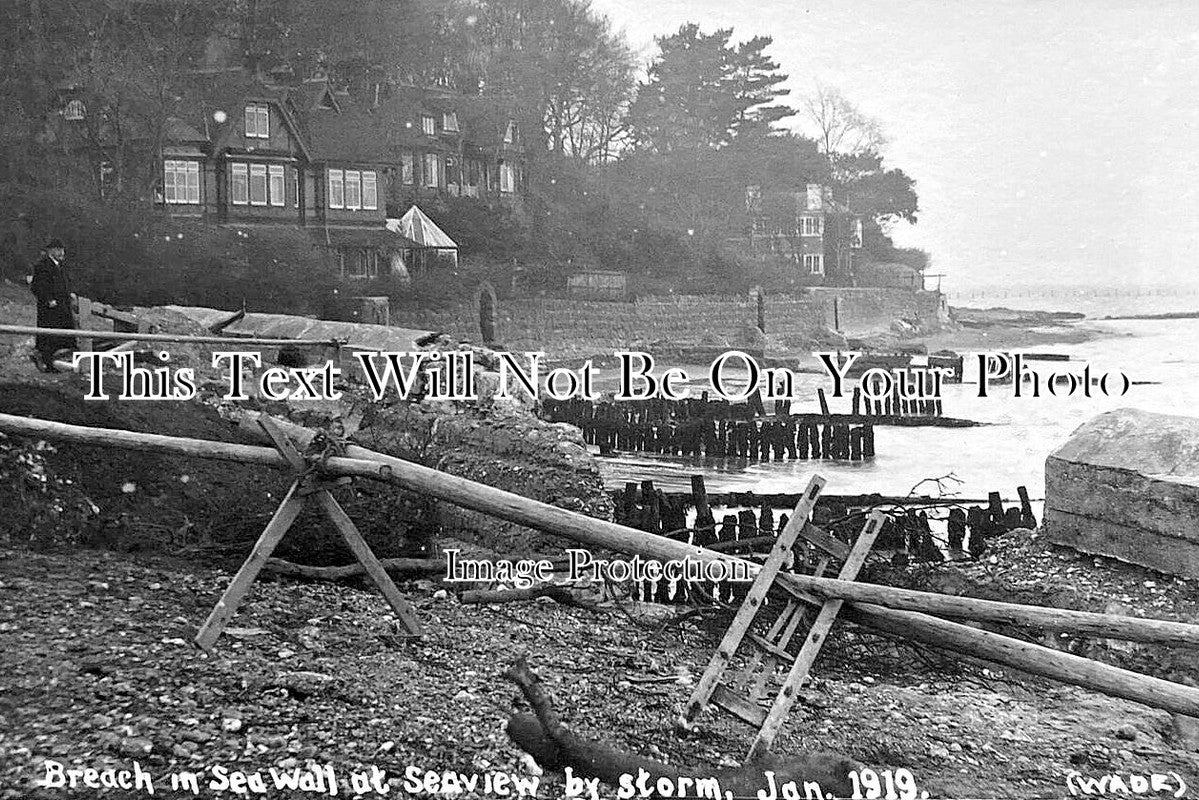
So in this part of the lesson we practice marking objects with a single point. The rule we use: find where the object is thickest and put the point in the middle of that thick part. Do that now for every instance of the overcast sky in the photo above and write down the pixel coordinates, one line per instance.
(1051, 140)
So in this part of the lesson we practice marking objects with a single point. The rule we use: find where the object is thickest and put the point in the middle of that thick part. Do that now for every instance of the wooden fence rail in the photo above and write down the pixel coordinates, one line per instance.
(32, 330)
(877, 606)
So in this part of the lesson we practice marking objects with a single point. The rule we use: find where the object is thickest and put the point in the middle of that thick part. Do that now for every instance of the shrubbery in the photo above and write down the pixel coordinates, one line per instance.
(129, 255)
(43, 509)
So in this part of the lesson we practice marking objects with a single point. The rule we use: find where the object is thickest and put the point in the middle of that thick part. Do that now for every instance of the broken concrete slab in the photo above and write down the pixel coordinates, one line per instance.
(1126, 485)
(359, 335)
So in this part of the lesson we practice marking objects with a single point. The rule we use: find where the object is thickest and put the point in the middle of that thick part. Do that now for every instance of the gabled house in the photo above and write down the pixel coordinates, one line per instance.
(444, 145)
(270, 155)
(251, 151)
(811, 233)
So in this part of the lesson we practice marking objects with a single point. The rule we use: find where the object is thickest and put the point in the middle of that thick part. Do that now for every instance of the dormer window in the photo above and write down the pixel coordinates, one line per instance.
(428, 124)
(258, 121)
(510, 133)
(74, 111)
(449, 121)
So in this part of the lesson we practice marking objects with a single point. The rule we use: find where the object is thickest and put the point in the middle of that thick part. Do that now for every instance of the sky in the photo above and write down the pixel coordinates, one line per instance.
(1052, 141)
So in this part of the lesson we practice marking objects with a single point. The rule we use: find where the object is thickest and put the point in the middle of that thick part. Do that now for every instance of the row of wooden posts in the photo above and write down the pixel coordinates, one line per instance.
(661, 411)
(907, 530)
(920, 617)
(772, 438)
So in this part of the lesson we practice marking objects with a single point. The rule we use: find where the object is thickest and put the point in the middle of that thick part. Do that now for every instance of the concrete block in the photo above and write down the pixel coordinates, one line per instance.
(1126, 485)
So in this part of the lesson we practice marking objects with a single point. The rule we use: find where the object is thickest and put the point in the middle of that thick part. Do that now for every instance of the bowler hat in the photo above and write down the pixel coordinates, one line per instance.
(55, 244)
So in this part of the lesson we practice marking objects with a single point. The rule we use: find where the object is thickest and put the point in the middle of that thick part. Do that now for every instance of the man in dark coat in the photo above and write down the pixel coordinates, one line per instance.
(53, 292)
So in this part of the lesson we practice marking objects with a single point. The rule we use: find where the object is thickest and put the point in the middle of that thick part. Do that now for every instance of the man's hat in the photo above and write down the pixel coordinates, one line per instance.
(55, 244)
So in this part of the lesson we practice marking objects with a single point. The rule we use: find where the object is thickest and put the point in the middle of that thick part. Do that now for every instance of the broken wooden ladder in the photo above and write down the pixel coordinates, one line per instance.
(747, 687)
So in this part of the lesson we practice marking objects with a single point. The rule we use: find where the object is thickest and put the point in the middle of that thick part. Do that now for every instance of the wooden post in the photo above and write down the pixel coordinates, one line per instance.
(705, 523)
(306, 484)
(226, 607)
(1027, 518)
(370, 563)
(823, 401)
(630, 504)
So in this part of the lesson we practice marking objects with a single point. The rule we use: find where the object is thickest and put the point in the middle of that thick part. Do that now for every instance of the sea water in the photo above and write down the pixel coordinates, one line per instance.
(1008, 452)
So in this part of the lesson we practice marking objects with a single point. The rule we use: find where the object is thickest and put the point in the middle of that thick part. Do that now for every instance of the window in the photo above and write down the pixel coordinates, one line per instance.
(814, 263)
(811, 226)
(753, 198)
(855, 238)
(239, 184)
(449, 121)
(407, 169)
(370, 191)
(278, 186)
(507, 178)
(359, 263)
(353, 190)
(180, 182)
(107, 171)
(258, 122)
(432, 170)
(510, 133)
(428, 124)
(337, 198)
(74, 111)
(258, 184)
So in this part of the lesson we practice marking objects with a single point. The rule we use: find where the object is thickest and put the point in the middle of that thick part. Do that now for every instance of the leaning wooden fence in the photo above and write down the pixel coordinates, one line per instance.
(889, 609)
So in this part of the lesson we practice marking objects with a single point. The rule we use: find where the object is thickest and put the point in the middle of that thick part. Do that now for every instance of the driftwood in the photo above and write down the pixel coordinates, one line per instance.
(559, 594)
(879, 604)
(554, 746)
(420, 566)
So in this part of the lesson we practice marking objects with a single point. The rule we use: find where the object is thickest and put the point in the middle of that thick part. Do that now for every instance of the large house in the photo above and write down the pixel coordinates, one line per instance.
(807, 233)
(252, 151)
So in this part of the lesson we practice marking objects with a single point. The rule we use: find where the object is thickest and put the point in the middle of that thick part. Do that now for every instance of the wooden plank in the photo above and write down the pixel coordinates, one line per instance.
(825, 541)
(374, 569)
(83, 312)
(283, 444)
(738, 704)
(753, 600)
(796, 614)
(226, 607)
(815, 640)
(25, 330)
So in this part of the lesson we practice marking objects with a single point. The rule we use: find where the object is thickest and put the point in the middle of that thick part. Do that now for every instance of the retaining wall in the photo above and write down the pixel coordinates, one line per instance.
(566, 327)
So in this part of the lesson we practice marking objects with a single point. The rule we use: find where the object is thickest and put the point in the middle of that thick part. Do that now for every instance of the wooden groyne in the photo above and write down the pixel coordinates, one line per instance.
(682, 428)
(708, 428)
(750, 521)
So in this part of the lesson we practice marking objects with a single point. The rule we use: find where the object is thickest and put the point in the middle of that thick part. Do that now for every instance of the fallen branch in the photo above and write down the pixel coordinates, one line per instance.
(559, 594)
(555, 746)
(419, 566)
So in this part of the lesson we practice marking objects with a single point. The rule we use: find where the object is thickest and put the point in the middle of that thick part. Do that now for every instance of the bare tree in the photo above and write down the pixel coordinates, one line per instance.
(839, 126)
